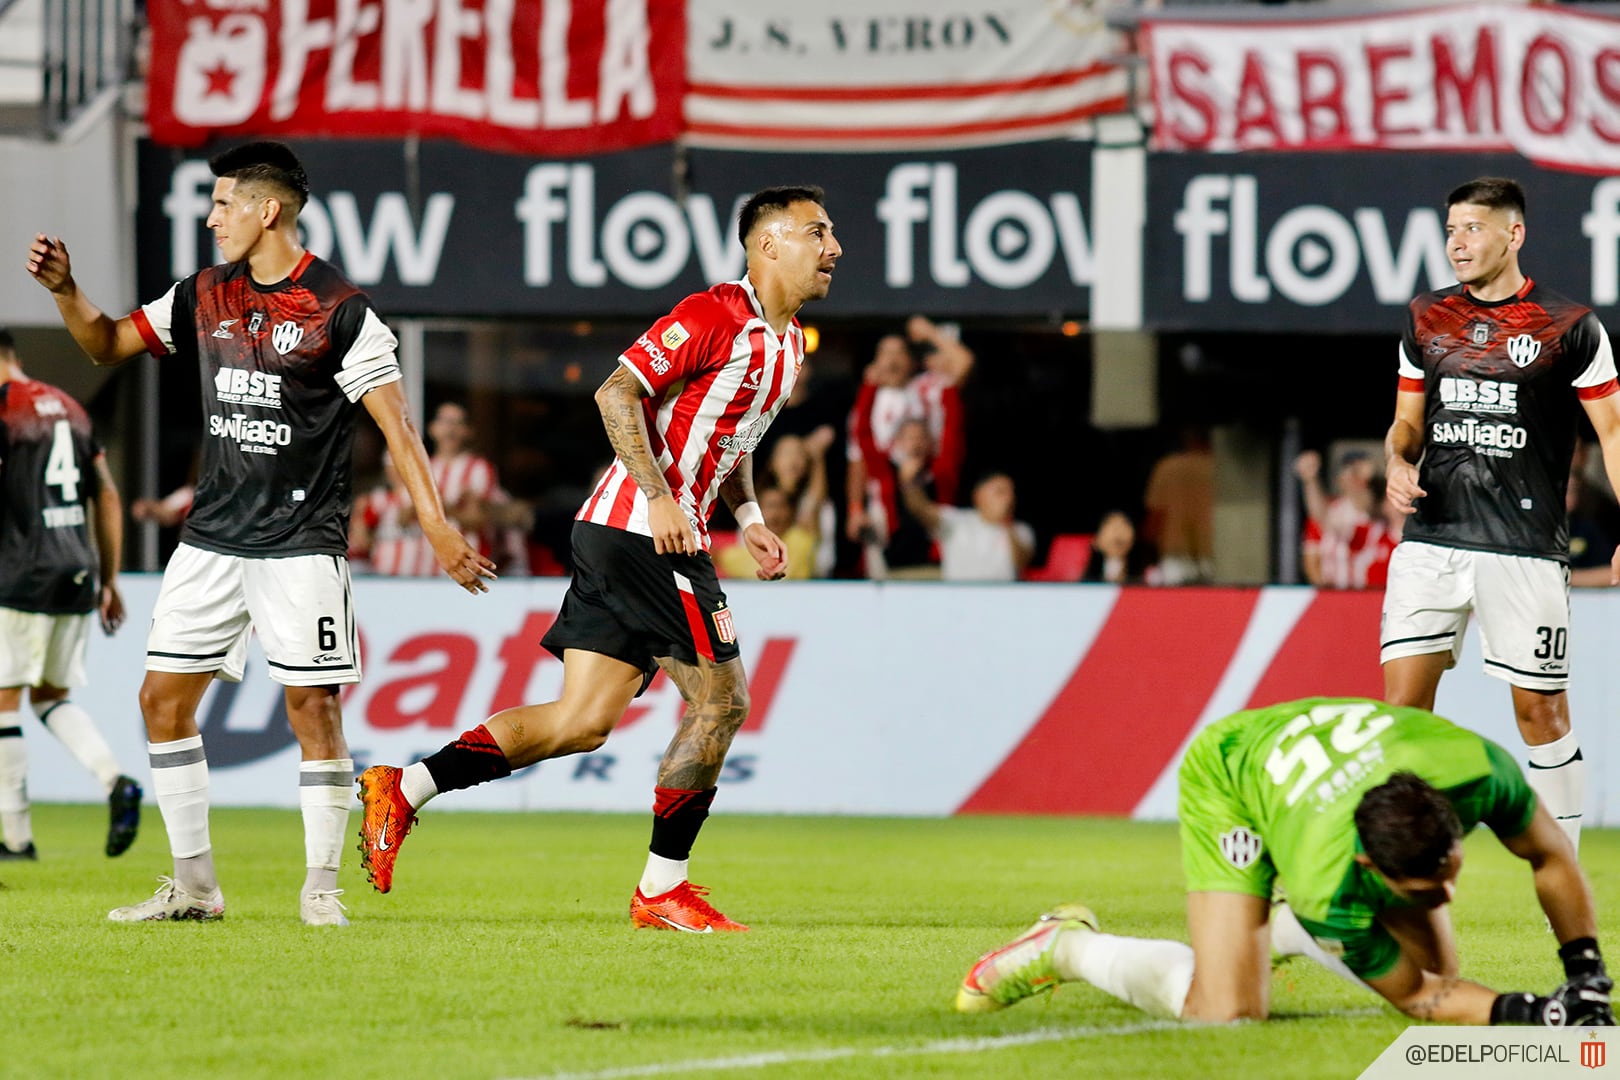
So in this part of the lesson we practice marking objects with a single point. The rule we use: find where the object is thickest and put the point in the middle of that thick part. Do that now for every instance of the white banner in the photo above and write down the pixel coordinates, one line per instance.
(917, 699)
(881, 74)
(1542, 81)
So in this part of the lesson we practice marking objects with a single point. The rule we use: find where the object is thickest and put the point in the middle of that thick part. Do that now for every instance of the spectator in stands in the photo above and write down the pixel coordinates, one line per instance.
(1347, 535)
(1118, 556)
(494, 522)
(1180, 501)
(984, 543)
(384, 537)
(909, 551)
(794, 523)
(798, 466)
(896, 415)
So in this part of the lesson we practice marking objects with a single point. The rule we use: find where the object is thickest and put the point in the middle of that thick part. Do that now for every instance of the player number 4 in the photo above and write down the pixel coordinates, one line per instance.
(1354, 726)
(60, 468)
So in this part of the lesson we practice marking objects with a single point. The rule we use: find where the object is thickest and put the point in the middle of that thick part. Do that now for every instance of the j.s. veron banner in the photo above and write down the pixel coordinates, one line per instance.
(1541, 81)
(538, 76)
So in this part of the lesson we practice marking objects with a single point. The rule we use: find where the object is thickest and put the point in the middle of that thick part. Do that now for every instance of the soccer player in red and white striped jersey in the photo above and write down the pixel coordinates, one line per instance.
(684, 410)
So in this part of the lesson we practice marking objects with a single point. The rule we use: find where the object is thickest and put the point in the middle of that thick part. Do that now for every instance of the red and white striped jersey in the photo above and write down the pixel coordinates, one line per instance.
(716, 376)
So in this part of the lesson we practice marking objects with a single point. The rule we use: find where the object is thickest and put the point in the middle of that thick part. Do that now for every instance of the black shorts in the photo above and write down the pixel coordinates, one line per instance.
(628, 602)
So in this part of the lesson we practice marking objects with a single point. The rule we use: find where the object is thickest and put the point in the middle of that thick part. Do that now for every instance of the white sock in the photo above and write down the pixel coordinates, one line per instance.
(1152, 975)
(661, 875)
(82, 738)
(15, 821)
(416, 784)
(180, 782)
(1289, 938)
(1557, 772)
(325, 793)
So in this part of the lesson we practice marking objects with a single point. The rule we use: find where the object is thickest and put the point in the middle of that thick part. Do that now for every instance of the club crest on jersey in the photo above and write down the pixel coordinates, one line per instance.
(674, 336)
(1240, 847)
(723, 627)
(1481, 333)
(286, 336)
(224, 330)
(1523, 350)
(255, 322)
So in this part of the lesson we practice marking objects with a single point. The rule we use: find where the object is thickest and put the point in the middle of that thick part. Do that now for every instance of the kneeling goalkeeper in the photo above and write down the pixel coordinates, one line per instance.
(1358, 809)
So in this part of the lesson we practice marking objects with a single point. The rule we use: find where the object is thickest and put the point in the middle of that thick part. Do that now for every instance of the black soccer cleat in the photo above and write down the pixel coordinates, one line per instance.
(124, 808)
(27, 854)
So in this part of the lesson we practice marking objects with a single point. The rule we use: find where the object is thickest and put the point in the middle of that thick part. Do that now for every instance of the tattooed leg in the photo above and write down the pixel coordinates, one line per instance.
(716, 698)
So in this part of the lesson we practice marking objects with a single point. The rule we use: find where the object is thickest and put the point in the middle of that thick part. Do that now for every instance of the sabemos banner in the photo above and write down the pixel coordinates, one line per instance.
(432, 228)
(1341, 241)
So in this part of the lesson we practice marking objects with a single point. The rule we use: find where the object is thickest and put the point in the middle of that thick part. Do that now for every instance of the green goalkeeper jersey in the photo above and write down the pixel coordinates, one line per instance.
(1301, 768)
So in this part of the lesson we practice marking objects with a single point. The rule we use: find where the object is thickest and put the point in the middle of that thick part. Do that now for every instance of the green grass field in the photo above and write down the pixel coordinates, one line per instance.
(505, 951)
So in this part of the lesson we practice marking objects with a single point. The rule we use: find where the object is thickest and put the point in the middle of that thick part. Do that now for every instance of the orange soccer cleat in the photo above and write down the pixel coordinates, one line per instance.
(682, 908)
(384, 824)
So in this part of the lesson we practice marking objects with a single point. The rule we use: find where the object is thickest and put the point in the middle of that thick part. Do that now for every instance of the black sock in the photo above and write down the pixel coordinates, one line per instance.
(475, 758)
(677, 816)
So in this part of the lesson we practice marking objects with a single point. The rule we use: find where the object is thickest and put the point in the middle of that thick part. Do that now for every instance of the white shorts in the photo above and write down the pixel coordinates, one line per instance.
(1522, 604)
(40, 649)
(301, 606)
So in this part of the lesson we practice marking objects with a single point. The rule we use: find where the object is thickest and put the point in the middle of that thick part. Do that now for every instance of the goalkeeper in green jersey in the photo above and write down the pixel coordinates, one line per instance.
(1358, 810)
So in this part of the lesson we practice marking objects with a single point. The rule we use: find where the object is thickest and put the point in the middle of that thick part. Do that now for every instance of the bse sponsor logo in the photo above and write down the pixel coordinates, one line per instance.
(49, 406)
(224, 331)
(239, 386)
(250, 436)
(746, 440)
(1523, 349)
(1311, 255)
(1241, 847)
(1493, 440)
(1479, 395)
(660, 359)
(286, 336)
(674, 336)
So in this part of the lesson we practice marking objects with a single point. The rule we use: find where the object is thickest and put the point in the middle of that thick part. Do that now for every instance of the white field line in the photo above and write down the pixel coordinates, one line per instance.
(845, 1053)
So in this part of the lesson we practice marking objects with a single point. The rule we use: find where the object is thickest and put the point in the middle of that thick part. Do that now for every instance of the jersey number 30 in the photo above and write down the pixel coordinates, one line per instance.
(1354, 726)
(61, 469)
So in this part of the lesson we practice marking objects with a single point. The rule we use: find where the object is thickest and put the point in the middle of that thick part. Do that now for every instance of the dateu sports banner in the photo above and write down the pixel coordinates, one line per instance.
(880, 74)
(1542, 81)
(534, 76)
(866, 698)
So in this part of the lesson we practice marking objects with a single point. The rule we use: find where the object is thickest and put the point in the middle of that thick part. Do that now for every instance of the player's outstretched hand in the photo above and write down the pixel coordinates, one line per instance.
(111, 609)
(48, 262)
(1586, 1000)
(671, 532)
(461, 560)
(768, 550)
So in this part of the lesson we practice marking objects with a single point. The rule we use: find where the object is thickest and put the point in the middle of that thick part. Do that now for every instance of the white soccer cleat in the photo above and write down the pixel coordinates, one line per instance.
(322, 907)
(1023, 967)
(172, 903)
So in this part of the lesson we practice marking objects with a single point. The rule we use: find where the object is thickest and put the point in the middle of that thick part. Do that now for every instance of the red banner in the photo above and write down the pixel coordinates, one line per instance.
(558, 77)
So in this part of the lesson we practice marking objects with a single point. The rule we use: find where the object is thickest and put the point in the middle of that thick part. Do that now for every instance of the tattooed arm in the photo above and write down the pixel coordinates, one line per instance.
(1425, 995)
(619, 399)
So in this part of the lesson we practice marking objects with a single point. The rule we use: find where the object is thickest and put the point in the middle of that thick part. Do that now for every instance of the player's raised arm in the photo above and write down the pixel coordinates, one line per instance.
(107, 341)
(619, 400)
(459, 559)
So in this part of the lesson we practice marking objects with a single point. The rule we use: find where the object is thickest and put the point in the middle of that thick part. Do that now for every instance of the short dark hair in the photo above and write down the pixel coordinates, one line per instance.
(271, 163)
(771, 199)
(7, 342)
(1406, 827)
(1495, 192)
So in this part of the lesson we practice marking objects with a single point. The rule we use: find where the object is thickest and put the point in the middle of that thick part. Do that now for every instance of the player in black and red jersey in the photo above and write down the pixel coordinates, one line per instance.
(286, 348)
(54, 488)
(1491, 371)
